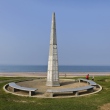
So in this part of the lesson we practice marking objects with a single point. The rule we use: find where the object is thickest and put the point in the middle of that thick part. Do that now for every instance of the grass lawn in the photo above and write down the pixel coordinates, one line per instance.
(91, 102)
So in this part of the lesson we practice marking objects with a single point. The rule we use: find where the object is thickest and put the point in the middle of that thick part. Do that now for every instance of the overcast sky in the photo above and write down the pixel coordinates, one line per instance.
(83, 31)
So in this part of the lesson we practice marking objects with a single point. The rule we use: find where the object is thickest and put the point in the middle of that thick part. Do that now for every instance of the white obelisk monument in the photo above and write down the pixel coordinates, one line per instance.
(53, 73)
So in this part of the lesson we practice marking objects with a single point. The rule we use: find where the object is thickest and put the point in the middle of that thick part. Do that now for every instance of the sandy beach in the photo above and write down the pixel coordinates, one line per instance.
(62, 74)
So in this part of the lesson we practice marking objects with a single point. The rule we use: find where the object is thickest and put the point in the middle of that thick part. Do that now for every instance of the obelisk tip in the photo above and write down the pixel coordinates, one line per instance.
(54, 13)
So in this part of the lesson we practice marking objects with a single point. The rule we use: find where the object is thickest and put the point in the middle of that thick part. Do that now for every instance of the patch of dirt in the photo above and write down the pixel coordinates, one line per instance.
(41, 85)
(20, 101)
(105, 107)
(107, 80)
(23, 101)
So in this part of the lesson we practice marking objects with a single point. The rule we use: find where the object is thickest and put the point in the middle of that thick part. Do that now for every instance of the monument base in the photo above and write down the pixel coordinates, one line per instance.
(53, 83)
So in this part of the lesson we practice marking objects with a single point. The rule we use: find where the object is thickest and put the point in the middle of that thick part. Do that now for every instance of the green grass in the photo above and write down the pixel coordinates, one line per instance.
(15, 79)
(91, 102)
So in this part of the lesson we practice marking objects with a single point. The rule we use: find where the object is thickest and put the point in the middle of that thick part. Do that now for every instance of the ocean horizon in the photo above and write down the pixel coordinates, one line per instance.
(62, 68)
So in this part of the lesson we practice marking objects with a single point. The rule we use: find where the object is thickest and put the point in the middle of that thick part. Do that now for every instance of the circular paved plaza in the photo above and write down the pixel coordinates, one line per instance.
(40, 84)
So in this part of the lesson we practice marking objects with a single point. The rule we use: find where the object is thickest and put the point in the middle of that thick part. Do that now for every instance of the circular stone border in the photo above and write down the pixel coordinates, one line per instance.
(4, 88)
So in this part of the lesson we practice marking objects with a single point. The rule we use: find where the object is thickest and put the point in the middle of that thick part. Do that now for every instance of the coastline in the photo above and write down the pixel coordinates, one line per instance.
(44, 74)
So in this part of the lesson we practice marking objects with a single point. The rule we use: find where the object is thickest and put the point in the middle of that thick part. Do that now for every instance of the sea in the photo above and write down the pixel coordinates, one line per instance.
(43, 68)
